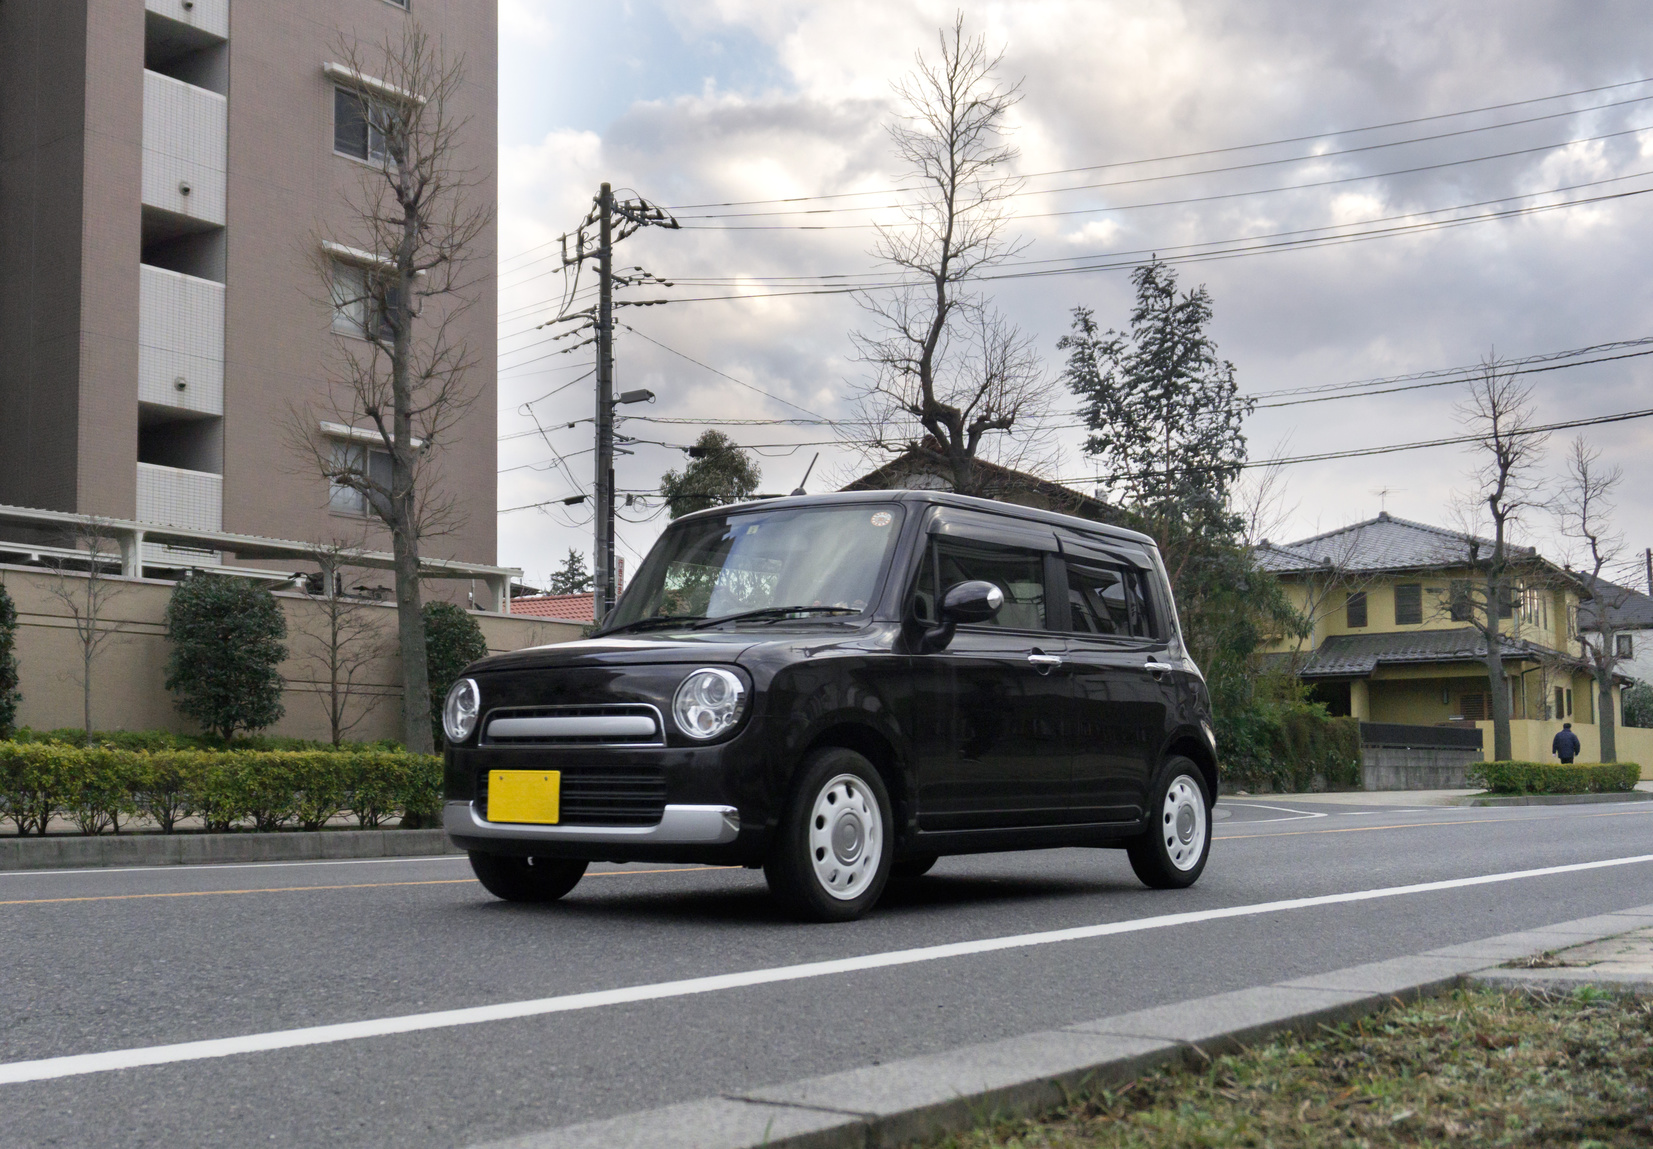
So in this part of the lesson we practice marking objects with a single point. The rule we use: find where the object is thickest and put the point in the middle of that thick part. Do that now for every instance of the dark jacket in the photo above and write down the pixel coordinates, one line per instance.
(1566, 744)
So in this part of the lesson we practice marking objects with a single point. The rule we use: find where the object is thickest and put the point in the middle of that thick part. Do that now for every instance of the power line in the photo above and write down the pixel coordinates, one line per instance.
(1206, 151)
(725, 374)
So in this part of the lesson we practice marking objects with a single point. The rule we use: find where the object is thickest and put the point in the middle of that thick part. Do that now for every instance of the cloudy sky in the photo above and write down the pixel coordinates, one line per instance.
(1246, 141)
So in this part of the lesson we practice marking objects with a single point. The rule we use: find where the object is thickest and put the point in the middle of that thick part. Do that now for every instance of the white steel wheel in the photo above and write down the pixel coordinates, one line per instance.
(1182, 823)
(1175, 843)
(846, 837)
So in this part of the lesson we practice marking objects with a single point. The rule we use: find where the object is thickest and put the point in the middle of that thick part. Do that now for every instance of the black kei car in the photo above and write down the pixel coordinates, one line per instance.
(840, 689)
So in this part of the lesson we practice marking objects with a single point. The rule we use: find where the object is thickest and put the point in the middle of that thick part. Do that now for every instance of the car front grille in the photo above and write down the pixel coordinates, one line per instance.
(622, 724)
(602, 795)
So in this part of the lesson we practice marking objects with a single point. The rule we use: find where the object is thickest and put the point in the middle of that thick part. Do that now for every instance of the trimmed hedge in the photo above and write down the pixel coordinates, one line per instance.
(100, 787)
(1555, 777)
(1289, 749)
(166, 740)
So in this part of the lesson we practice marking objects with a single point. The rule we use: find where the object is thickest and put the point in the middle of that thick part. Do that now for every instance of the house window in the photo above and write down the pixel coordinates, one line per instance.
(1560, 702)
(1473, 707)
(1460, 607)
(356, 464)
(358, 126)
(1408, 604)
(1569, 711)
(1354, 609)
(1623, 647)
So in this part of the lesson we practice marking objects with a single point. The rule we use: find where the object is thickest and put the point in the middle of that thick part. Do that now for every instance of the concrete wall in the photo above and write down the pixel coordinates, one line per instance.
(128, 675)
(1414, 768)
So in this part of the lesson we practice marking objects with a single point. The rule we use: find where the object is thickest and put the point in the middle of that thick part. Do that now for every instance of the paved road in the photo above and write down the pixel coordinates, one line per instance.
(110, 960)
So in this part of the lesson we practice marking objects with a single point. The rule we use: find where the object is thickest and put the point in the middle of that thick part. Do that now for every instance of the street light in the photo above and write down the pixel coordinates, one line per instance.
(635, 397)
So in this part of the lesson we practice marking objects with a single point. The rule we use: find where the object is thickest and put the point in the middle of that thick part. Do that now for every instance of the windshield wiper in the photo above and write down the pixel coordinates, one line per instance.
(654, 622)
(774, 612)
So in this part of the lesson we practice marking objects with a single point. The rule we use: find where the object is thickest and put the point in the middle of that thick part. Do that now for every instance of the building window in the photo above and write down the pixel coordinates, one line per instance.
(355, 465)
(358, 126)
(1408, 604)
(357, 295)
(1473, 707)
(1355, 609)
(1623, 647)
(1460, 608)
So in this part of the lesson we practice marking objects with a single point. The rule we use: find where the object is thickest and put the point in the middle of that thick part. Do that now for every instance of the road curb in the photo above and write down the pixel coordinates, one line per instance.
(1558, 799)
(97, 851)
(883, 1106)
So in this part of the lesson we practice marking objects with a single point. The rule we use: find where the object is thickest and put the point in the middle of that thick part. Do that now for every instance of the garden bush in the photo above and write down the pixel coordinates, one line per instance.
(1288, 747)
(10, 696)
(166, 740)
(101, 787)
(453, 640)
(226, 634)
(1554, 777)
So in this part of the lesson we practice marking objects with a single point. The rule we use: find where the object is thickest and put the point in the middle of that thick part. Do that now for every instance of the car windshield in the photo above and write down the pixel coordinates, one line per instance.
(819, 559)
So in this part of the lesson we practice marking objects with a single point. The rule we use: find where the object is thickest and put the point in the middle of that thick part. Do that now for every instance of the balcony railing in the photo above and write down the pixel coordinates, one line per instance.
(180, 341)
(174, 497)
(185, 131)
(210, 16)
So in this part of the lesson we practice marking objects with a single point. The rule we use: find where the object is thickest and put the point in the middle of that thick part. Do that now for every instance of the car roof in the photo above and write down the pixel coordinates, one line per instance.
(936, 499)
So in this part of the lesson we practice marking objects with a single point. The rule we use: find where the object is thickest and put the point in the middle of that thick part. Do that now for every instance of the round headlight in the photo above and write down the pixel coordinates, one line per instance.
(459, 712)
(709, 702)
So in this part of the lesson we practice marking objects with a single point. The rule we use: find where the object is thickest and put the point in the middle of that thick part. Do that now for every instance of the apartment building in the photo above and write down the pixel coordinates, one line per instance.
(169, 172)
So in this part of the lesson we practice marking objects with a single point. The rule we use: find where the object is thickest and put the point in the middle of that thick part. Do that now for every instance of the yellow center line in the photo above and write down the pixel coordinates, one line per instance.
(1424, 825)
(351, 886)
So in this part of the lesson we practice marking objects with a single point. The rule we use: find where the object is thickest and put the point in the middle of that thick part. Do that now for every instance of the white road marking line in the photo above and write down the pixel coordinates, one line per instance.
(1301, 814)
(75, 1065)
(193, 867)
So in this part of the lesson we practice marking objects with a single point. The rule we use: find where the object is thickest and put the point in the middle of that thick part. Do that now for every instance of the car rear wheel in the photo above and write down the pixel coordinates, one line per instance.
(526, 879)
(1171, 853)
(831, 856)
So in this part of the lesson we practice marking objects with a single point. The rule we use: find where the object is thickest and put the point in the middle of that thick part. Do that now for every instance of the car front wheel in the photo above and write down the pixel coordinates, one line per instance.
(1171, 853)
(526, 879)
(831, 856)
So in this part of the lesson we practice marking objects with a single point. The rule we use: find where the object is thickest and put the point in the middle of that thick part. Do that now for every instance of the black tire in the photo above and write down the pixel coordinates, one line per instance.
(911, 869)
(1172, 851)
(836, 877)
(526, 879)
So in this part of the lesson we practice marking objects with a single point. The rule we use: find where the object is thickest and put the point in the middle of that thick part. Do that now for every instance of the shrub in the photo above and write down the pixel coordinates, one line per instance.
(1555, 777)
(1638, 705)
(1288, 746)
(10, 696)
(166, 740)
(453, 640)
(226, 636)
(100, 786)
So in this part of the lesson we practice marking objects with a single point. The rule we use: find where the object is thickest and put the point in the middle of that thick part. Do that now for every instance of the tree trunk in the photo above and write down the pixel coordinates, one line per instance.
(1497, 682)
(1604, 716)
(410, 631)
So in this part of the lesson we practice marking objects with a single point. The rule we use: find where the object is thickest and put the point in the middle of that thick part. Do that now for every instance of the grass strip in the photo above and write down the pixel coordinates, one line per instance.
(1470, 1068)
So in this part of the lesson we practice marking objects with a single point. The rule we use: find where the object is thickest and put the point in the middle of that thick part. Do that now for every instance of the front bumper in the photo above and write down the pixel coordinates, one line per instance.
(680, 825)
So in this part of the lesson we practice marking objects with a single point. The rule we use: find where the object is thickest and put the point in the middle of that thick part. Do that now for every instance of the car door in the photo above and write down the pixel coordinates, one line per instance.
(997, 696)
(1120, 698)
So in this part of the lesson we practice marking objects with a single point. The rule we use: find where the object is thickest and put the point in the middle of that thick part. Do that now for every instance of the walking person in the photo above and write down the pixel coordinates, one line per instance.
(1565, 746)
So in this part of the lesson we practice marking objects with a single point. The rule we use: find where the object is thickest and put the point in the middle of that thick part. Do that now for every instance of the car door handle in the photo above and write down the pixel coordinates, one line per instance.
(1157, 668)
(1045, 661)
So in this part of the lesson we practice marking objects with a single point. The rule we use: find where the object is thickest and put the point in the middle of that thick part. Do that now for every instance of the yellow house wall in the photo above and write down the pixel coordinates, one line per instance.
(1530, 742)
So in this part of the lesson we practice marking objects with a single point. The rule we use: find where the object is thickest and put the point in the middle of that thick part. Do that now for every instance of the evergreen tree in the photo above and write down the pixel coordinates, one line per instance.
(227, 641)
(1638, 705)
(453, 640)
(10, 696)
(571, 578)
(719, 473)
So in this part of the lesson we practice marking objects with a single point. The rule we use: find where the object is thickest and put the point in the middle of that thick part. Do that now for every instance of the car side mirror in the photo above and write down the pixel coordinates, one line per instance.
(974, 601)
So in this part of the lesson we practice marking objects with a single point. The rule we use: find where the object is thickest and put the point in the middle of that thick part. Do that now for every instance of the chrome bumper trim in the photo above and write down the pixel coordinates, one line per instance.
(679, 825)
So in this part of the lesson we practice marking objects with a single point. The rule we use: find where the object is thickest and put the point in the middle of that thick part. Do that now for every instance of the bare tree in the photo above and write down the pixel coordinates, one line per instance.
(1498, 411)
(947, 367)
(87, 600)
(1585, 507)
(341, 640)
(400, 281)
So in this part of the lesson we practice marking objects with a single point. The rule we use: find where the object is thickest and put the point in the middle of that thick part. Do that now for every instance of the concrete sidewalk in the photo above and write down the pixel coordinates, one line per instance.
(924, 1097)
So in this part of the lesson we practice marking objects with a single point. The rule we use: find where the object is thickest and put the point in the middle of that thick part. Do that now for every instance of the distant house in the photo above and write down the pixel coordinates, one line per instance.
(1391, 641)
(1629, 616)
(924, 468)
(572, 607)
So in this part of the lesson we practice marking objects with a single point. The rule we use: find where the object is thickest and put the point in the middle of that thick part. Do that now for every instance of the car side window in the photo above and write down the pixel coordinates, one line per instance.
(1018, 572)
(1109, 600)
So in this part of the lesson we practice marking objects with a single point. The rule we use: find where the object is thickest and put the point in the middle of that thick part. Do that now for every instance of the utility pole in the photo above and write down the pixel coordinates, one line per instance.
(603, 597)
(615, 220)
(1650, 570)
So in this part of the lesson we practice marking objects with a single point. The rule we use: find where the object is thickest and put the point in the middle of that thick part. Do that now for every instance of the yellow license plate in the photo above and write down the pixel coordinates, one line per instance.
(524, 796)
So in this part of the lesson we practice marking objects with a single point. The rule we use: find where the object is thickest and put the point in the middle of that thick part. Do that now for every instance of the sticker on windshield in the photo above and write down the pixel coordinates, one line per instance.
(882, 518)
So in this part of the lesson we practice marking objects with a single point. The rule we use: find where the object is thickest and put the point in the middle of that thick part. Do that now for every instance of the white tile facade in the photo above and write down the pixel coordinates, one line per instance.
(180, 498)
(211, 16)
(185, 142)
(180, 340)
